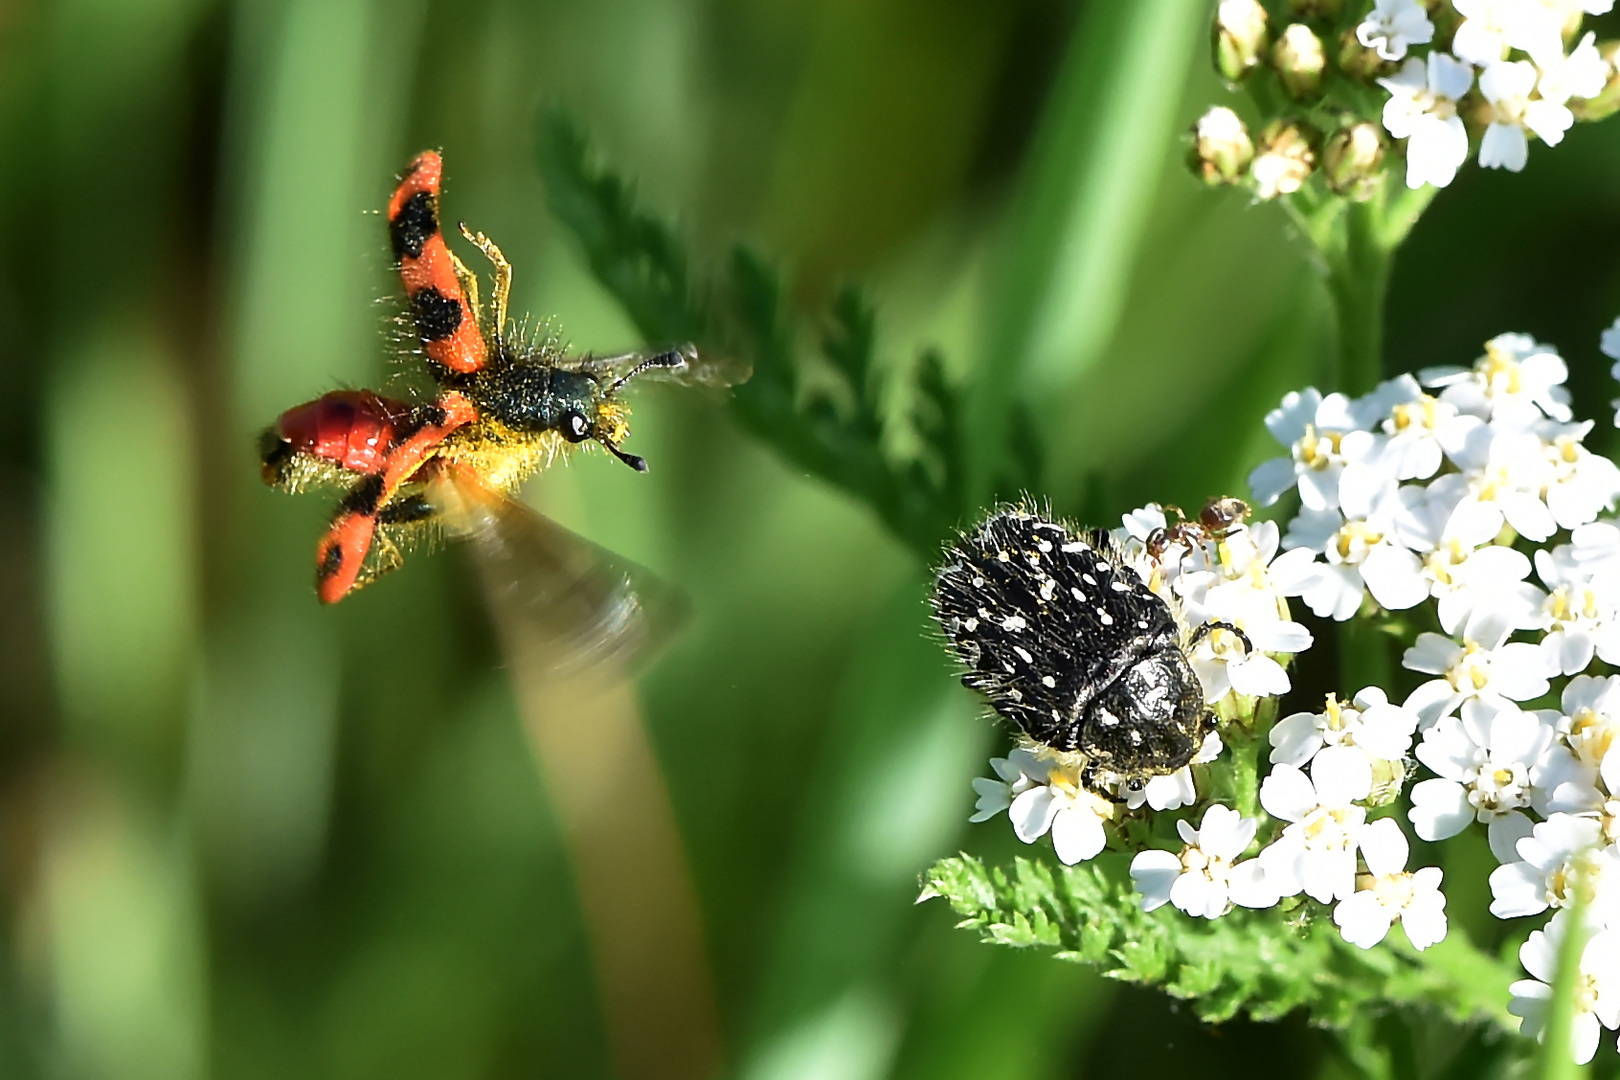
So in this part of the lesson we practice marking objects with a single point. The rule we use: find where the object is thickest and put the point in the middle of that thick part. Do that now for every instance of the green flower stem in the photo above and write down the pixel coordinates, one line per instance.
(1358, 279)
(1364, 655)
(1354, 252)
(1234, 779)
(1555, 1061)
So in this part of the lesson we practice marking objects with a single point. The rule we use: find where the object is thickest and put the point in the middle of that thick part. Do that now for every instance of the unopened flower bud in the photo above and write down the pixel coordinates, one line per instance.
(1240, 36)
(1299, 60)
(1608, 100)
(1388, 776)
(1360, 62)
(1221, 149)
(1284, 159)
(1352, 159)
(1322, 9)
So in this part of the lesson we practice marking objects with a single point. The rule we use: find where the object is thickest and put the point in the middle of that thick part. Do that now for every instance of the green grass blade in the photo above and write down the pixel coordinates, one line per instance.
(1086, 193)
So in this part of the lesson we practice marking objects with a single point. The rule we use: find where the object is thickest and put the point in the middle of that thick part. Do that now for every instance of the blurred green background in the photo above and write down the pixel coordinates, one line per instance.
(245, 837)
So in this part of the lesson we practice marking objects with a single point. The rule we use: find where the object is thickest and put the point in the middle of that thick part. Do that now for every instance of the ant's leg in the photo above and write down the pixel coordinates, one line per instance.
(1210, 627)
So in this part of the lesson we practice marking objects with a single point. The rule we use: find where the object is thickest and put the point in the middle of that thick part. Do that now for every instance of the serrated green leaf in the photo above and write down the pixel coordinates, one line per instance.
(1245, 961)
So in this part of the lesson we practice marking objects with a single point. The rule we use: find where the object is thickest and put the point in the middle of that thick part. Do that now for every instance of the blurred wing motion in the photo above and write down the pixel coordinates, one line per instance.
(682, 365)
(564, 604)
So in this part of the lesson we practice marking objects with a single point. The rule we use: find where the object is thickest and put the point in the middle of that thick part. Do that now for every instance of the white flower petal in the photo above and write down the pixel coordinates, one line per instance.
(1384, 847)
(1077, 835)
(1440, 809)
(1154, 872)
(1032, 813)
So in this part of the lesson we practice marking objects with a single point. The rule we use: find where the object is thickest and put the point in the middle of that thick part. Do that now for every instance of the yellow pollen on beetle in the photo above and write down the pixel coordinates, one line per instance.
(613, 420)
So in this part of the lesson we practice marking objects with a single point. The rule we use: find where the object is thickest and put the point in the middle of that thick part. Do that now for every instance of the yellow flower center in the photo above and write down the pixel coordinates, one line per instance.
(1470, 671)
(1445, 559)
(1324, 828)
(1499, 364)
(1569, 605)
(1354, 539)
(1591, 734)
(1581, 874)
(1318, 449)
(1419, 413)
(1394, 891)
(1586, 993)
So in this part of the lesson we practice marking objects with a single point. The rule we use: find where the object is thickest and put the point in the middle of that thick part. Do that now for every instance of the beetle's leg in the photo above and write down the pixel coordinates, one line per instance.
(341, 553)
(503, 278)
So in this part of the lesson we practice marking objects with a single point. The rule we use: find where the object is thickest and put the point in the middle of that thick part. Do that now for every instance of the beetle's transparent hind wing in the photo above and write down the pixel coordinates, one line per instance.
(567, 604)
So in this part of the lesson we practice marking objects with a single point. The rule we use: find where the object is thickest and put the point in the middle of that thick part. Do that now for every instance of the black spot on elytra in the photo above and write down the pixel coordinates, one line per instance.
(414, 225)
(437, 315)
(364, 496)
(330, 562)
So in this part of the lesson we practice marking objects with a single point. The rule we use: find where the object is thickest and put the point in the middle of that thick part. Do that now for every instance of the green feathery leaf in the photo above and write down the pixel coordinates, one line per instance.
(1245, 961)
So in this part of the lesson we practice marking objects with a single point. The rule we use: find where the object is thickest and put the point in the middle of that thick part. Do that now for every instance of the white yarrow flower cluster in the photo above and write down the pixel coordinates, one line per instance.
(1205, 878)
(1471, 488)
(1507, 55)
(1417, 491)
(1468, 488)
(1225, 580)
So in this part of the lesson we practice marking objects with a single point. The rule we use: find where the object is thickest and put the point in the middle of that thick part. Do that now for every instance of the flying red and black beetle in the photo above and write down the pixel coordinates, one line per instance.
(506, 406)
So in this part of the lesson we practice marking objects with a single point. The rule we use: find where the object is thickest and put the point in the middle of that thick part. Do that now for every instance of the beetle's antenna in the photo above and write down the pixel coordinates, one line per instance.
(677, 357)
(635, 461)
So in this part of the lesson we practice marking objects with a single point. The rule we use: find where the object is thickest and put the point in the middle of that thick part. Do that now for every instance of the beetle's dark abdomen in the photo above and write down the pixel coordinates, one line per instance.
(1069, 644)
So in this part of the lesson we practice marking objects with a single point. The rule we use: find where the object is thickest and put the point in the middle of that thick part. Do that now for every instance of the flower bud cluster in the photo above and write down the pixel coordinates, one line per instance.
(1336, 82)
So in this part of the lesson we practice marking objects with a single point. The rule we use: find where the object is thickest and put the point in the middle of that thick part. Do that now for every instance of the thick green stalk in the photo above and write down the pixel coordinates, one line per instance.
(1355, 246)
(1358, 279)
